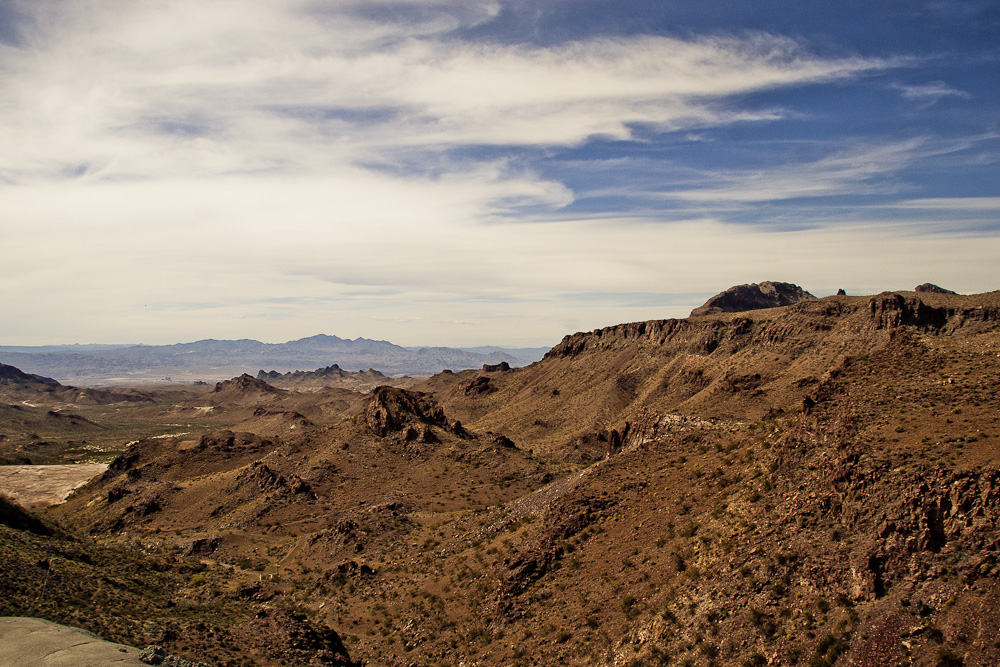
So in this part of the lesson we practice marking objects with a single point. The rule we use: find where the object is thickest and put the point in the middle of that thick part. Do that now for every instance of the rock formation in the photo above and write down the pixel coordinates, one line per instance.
(933, 289)
(753, 297)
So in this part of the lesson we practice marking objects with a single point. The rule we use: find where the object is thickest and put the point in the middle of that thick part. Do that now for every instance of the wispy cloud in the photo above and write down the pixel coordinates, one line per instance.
(930, 93)
(220, 88)
(952, 203)
(862, 166)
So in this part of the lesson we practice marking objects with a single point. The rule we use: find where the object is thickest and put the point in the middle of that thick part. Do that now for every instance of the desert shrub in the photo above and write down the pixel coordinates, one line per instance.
(945, 658)
(829, 651)
(628, 605)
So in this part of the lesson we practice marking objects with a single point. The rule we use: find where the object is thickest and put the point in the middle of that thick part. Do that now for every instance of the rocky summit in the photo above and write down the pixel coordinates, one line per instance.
(753, 297)
(814, 484)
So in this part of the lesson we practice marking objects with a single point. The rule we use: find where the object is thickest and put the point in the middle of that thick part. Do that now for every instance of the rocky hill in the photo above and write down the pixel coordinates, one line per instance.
(753, 297)
(812, 484)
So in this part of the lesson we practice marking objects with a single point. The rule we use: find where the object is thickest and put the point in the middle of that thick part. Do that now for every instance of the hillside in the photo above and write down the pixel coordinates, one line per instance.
(813, 484)
(727, 366)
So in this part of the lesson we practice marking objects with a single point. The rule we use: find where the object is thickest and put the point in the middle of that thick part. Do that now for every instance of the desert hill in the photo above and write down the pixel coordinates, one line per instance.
(815, 484)
(16, 378)
(18, 386)
(725, 366)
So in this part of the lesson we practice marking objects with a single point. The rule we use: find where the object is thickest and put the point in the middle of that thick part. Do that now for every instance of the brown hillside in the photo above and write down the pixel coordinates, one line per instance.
(729, 367)
(815, 484)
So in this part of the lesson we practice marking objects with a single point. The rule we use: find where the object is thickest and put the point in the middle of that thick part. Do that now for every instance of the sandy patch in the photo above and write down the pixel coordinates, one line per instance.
(39, 486)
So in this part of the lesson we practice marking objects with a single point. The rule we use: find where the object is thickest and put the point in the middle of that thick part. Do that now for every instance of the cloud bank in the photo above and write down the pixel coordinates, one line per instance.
(185, 169)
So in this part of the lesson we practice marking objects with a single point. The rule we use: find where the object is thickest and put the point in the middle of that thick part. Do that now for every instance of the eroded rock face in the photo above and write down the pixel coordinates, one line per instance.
(890, 309)
(478, 386)
(391, 410)
(502, 367)
(753, 297)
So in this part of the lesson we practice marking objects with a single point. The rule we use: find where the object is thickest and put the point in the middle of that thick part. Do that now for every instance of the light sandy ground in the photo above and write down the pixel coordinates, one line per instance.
(39, 486)
(33, 642)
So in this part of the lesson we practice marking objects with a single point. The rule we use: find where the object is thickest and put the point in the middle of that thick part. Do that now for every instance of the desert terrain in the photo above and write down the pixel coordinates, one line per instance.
(775, 480)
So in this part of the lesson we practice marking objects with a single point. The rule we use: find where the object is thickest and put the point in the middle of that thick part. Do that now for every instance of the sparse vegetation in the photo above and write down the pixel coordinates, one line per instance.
(715, 540)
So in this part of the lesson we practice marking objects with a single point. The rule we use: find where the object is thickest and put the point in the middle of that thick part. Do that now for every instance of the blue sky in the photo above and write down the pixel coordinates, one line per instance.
(481, 172)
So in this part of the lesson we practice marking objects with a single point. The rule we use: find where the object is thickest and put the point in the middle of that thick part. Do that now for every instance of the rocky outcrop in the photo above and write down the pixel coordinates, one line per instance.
(478, 386)
(292, 638)
(890, 309)
(244, 384)
(226, 441)
(502, 367)
(259, 477)
(392, 410)
(753, 297)
(932, 289)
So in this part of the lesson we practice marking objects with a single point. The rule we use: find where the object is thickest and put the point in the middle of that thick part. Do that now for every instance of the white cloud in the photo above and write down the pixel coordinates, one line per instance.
(931, 93)
(105, 86)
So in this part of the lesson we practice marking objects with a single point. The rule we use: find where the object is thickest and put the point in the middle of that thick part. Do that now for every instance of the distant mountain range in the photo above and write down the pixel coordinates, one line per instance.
(213, 360)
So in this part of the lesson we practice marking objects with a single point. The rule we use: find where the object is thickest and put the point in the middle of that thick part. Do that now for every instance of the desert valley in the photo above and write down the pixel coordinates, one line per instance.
(775, 480)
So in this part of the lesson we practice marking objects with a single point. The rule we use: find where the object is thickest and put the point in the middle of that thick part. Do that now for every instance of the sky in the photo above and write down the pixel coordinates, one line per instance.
(471, 172)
